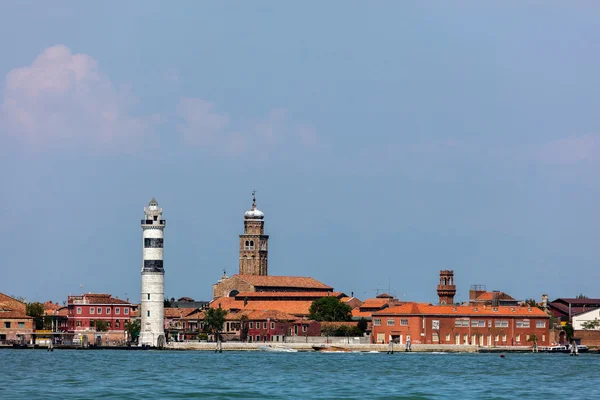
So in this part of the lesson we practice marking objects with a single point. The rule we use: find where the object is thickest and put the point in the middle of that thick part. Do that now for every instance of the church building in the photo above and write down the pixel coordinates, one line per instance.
(253, 268)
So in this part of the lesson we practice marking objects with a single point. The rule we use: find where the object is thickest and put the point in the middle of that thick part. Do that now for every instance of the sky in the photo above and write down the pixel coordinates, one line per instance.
(386, 141)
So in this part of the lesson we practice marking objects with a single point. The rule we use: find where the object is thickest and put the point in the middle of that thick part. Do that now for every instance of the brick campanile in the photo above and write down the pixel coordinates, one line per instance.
(254, 244)
(446, 289)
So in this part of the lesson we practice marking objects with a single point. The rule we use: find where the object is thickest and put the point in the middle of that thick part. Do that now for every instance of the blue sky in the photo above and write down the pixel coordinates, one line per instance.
(386, 141)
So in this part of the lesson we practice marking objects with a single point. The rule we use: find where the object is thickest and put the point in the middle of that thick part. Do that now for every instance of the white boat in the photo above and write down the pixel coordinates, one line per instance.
(279, 349)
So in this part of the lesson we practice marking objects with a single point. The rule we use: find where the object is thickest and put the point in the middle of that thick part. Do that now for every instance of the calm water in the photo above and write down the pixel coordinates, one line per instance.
(104, 374)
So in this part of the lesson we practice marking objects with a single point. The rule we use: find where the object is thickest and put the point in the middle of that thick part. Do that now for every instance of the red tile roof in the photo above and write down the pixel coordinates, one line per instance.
(295, 307)
(283, 281)
(10, 314)
(489, 296)
(96, 298)
(314, 295)
(428, 309)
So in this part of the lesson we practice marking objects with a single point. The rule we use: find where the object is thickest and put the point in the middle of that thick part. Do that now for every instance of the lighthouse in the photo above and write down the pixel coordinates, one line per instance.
(153, 277)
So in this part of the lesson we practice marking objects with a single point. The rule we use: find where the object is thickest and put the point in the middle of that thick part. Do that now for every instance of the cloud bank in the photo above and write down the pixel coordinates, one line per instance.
(64, 98)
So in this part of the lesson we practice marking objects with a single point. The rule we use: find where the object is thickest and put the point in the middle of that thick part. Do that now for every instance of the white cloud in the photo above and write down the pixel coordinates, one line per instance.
(571, 150)
(64, 98)
(202, 125)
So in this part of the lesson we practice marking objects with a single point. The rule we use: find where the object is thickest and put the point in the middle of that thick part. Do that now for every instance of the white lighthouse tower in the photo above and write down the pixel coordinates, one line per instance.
(152, 312)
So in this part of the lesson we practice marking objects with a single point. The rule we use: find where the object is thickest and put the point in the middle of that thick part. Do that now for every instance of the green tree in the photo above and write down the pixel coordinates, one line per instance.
(330, 309)
(568, 328)
(36, 310)
(244, 328)
(328, 330)
(362, 325)
(101, 325)
(214, 319)
(133, 328)
(530, 302)
(591, 325)
(166, 303)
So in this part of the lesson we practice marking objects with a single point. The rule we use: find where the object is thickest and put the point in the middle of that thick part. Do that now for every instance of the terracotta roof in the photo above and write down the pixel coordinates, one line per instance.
(488, 296)
(270, 314)
(172, 312)
(97, 298)
(376, 303)
(315, 295)
(428, 309)
(10, 314)
(357, 313)
(284, 281)
(295, 307)
(384, 296)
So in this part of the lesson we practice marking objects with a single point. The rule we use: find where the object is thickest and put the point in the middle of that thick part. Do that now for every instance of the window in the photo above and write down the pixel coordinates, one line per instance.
(435, 325)
(543, 338)
(21, 325)
(295, 329)
(6, 325)
(377, 321)
(148, 296)
(489, 323)
(272, 325)
(527, 337)
(258, 338)
(504, 337)
(303, 328)
(151, 243)
(107, 310)
(461, 322)
(117, 310)
(501, 323)
(117, 324)
(435, 337)
(156, 217)
(518, 338)
(466, 339)
(249, 245)
(78, 310)
(478, 323)
(497, 338)
(448, 337)
(78, 323)
(126, 310)
(390, 322)
(523, 324)
(540, 324)
(404, 322)
(109, 324)
(92, 309)
(99, 311)
(148, 313)
(251, 325)
(264, 338)
(264, 325)
(153, 265)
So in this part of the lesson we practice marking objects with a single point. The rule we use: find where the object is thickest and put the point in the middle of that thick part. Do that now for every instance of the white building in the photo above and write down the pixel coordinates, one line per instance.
(153, 277)
(578, 320)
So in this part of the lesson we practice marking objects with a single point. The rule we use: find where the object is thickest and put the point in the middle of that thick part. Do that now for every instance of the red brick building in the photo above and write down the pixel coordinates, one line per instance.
(84, 310)
(482, 326)
(14, 321)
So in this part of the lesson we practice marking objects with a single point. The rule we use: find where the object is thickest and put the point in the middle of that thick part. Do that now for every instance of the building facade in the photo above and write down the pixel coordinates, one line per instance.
(459, 325)
(14, 321)
(153, 277)
(86, 310)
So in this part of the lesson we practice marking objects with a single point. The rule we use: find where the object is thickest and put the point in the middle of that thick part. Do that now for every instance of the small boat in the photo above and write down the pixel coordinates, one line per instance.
(326, 348)
(562, 349)
(279, 349)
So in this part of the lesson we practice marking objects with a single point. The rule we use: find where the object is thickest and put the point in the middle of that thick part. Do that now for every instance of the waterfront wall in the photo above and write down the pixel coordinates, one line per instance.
(239, 346)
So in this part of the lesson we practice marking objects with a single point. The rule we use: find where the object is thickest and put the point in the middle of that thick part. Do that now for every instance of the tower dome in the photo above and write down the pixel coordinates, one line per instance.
(254, 213)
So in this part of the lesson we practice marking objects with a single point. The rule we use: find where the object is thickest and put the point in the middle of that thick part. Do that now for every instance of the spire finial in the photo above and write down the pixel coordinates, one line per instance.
(254, 199)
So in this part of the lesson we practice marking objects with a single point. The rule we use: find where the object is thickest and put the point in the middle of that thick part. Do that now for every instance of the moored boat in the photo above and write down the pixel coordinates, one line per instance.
(279, 349)
(326, 348)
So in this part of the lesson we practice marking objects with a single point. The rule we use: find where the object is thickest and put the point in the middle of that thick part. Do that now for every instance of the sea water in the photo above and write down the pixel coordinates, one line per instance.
(111, 374)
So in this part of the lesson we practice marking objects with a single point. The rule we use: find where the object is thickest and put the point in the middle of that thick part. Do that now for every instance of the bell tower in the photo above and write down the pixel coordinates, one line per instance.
(446, 289)
(254, 244)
